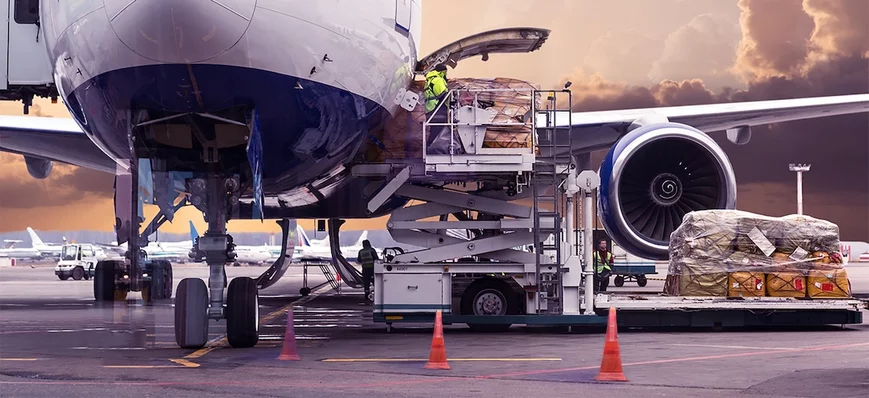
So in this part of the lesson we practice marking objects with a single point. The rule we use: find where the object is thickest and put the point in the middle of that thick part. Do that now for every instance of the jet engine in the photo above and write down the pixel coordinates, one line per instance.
(38, 168)
(652, 177)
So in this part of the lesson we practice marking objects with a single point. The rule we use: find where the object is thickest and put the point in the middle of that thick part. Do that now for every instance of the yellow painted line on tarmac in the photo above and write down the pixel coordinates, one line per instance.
(185, 363)
(19, 359)
(142, 366)
(448, 360)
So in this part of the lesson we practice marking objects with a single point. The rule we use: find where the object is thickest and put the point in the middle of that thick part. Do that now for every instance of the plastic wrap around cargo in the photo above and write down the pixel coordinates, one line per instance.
(737, 253)
(400, 137)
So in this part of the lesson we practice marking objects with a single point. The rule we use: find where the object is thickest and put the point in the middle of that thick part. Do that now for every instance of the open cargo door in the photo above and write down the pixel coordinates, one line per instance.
(507, 40)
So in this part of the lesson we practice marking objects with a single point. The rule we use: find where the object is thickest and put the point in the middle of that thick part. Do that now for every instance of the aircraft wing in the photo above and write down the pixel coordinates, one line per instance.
(57, 139)
(609, 125)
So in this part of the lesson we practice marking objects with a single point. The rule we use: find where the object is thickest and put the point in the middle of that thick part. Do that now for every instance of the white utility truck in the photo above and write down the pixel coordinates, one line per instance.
(78, 261)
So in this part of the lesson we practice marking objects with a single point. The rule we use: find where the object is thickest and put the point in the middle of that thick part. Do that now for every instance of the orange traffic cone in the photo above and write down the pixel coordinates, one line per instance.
(437, 359)
(289, 351)
(611, 363)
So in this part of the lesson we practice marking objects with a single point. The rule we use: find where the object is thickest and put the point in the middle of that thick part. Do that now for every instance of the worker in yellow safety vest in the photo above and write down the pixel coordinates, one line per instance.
(367, 256)
(436, 91)
(603, 261)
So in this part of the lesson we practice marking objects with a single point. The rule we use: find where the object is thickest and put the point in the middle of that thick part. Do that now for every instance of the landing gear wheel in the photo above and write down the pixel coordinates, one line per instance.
(78, 273)
(104, 281)
(305, 291)
(160, 287)
(242, 313)
(489, 297)
(619, 281)
(642, 281)
(191, 313)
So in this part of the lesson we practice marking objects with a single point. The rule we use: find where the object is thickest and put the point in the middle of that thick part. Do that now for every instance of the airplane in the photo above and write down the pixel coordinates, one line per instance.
(174, 251)
(254, 255)
(46, 249)
(10, 251)
(307, 249)
(260, 108)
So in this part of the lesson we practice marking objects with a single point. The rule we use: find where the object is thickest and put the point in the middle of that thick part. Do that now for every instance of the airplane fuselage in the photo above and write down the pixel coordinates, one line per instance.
(309, 82)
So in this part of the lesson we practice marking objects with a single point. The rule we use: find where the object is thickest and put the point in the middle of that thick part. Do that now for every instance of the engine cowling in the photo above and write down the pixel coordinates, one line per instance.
(38, 168)
(652, 177)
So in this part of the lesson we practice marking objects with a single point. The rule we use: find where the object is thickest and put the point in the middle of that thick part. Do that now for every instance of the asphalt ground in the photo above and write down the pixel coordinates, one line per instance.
(54, 341)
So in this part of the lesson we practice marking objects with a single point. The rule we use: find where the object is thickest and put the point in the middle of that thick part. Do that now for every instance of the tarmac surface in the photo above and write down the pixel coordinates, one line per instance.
(54, 341)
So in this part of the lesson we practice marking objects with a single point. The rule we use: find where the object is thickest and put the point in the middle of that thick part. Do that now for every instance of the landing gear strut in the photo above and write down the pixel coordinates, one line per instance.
(114, 279)
(196, 303)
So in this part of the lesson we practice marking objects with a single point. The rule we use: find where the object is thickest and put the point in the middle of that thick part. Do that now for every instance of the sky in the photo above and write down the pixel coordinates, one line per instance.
(618, 54)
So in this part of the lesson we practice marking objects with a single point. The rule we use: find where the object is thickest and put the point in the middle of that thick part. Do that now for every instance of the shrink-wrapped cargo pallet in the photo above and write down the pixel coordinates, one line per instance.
(400, 137)
(741, 254)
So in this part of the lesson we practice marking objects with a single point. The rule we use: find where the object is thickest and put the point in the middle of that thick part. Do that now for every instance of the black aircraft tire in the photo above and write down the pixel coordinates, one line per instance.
(104, 281)
(242, 313)
(191, 313)
(161, 280)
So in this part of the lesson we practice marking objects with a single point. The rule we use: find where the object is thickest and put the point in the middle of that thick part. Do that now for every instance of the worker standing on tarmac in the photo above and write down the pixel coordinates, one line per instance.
(367, 256)
(603, 261)
(436, 91)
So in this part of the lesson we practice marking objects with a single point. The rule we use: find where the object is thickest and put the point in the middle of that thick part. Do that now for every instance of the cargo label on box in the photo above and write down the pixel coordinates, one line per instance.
(761, 241)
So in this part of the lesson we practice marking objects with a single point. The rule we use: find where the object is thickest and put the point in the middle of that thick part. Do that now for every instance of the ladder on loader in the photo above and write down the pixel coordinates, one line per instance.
(552, 165)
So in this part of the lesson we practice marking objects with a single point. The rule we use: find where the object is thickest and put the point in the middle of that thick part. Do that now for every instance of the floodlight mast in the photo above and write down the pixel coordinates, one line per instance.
(799, 168)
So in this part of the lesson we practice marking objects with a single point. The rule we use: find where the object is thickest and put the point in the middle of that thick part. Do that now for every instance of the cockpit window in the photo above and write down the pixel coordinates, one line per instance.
(68, 253)
(26, 11)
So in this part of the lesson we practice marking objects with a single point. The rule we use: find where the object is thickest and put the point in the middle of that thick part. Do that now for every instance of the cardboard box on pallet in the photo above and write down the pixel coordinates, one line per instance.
(786, 284)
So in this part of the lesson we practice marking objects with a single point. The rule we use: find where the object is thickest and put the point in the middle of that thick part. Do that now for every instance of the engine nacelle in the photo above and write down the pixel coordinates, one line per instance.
(652, 177)
(38, 168)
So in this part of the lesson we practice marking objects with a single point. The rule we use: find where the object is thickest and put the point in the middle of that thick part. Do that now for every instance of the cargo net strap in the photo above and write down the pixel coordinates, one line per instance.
(401, 136)
(735, 253)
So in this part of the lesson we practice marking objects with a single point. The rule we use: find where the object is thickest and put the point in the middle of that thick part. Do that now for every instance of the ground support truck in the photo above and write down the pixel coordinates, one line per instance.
(484, 281)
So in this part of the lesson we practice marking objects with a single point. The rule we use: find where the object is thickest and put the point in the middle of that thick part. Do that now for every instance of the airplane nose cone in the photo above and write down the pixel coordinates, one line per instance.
(182, 31)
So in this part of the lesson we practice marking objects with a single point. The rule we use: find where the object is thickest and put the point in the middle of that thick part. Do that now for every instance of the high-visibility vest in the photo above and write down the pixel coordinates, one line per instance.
(435, 89)
(599, 265)
(366, 257)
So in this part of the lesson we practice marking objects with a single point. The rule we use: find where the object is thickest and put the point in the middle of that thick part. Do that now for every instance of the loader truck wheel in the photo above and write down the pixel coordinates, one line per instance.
(78, 273)
(191, 313)
(489, 297)
(242, 313)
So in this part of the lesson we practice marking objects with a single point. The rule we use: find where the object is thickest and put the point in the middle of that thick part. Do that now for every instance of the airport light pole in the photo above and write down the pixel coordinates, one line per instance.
(799, 168)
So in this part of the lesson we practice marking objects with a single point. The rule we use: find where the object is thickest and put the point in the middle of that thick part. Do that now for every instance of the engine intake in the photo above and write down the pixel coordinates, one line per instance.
(652, 177)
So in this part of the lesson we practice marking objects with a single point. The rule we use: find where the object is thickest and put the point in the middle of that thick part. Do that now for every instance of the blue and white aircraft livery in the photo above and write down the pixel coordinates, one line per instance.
(274, 101)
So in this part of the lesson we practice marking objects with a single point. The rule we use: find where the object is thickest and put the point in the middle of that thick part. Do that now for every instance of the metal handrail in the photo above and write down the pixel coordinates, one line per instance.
(451, 94)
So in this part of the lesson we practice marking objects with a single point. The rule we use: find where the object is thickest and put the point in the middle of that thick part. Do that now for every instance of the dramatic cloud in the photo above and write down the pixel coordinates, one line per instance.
(620, 54)
(817, 53)
(840, 26)
(703, 49)
(775, 37)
